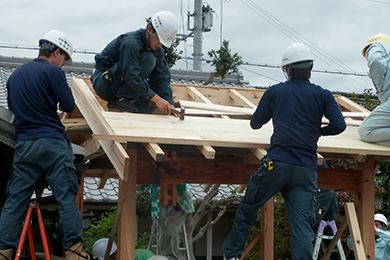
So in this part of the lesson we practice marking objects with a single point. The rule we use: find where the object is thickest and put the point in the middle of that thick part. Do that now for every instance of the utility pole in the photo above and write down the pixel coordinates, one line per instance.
(197, 35)
(203, 21)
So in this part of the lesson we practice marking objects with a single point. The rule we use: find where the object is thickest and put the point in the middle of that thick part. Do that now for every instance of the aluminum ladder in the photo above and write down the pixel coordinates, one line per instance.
(154, 235)
(320, 236)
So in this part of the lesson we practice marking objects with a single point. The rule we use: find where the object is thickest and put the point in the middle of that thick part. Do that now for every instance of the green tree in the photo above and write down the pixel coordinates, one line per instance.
(224, 62)
(171, 54)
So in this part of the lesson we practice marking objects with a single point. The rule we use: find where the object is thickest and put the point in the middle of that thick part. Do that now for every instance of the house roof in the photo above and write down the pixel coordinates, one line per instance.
(109, 194)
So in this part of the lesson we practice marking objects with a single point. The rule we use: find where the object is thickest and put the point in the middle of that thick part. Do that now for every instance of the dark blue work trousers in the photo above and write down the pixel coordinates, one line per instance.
(298, 185)
(51, 159)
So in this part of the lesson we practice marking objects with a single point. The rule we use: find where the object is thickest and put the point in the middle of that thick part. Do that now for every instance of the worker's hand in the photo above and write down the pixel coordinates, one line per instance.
(162, 104)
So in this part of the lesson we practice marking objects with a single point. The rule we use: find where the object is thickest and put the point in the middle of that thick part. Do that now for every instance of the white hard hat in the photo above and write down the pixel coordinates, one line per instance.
(158, 257)
(59, 39)
(296, 52)
(166, 26)
(100, 246)
(381, 218)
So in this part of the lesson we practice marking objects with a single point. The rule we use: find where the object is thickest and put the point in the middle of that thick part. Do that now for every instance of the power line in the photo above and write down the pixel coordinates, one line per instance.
(292, 34)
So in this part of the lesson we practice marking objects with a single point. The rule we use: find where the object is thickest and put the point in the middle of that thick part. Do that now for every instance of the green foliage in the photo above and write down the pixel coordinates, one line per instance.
(223, 61)
(99, 229)
(102, 227)
(281, 232)
(171, 54)
(368, 101)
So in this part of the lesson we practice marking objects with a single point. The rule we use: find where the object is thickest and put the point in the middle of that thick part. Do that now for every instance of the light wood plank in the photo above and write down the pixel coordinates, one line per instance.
(241, 99)
(350, 105)
(208, 151)
(155, 151)
(259, 153)
(355, 231)
(91, 110)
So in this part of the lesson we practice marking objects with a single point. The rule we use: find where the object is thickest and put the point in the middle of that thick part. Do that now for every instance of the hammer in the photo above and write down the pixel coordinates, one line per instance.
(180, 112)
(173, 110)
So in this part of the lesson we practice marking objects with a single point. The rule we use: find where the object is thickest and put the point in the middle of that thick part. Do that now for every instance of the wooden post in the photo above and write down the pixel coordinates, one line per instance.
(127, 222)
(80, 196)
(366, 209)
(267, 229)
(266, 235)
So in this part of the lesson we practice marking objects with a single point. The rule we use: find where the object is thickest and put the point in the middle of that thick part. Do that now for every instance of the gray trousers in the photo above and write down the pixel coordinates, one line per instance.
(376, 127)
(170, 223)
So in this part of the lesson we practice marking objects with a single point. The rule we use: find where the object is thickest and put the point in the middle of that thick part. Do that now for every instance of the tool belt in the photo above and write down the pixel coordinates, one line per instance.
(267, 164)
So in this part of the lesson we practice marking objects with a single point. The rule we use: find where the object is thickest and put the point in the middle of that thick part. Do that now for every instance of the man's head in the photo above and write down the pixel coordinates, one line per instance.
(380, 221)
(99, 249)
(380, 37)
(162, 29)
(297, 61)
(56, 46)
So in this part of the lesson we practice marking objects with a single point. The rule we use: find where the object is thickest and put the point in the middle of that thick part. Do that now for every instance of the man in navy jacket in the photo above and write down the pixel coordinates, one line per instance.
(296, 108)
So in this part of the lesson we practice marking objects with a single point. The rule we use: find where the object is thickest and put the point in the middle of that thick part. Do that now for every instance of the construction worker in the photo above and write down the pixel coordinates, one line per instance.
(375, 128)
(382, 240)
(171, 219)
(100, 246)
(131, 71)
(296, 107)
(36, 90)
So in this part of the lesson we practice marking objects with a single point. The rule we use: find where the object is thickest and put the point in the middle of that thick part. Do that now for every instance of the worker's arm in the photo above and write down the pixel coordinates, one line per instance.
(332, 112)
(263, 111)
(62, 92)
(377, 62)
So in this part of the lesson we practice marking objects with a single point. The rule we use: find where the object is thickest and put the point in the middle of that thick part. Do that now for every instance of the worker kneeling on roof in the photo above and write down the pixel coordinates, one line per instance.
(131, 71)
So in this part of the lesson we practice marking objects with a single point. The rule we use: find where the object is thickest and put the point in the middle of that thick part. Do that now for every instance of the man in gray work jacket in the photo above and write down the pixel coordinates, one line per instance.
(131, 72)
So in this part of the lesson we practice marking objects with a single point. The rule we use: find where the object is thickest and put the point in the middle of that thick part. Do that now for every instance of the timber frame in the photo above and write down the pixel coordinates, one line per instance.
(214, 144)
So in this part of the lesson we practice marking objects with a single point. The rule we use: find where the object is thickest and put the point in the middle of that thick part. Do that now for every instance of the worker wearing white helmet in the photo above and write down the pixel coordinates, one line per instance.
(382, 240)
(296, 108)
(43, 150)
(375, 128)
(131, 72)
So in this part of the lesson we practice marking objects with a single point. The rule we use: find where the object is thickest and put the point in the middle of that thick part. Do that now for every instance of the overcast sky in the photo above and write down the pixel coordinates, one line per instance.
(259, 31)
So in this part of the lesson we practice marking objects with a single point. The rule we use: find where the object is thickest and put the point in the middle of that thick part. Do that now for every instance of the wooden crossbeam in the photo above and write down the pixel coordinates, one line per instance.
(103, 178)
(165, 196)
(234, 94)
(93, 149)
(350, 105)
(207, 150)
(155, 151)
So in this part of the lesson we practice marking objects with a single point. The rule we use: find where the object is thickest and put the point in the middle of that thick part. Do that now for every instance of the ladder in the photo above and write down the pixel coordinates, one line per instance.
(28, 230)
(154, 234)
(320, 236)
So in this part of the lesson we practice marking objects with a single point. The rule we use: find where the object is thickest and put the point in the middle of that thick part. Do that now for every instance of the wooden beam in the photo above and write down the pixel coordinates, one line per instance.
(357, 241)
(93, 149)
(320, 159)
(350, 105)
(127, 200)
(91, 110)
(212, 107)
(366, 208)
(207, 150)
(103, 179)
(359, 157)
(155, 151)
(259, 153)
(234, 94)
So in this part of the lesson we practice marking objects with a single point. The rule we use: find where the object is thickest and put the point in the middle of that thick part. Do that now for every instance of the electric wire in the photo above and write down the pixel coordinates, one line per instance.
(292, 34)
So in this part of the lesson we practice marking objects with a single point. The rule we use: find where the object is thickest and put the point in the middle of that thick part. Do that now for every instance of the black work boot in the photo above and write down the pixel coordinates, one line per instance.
(6, 254)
